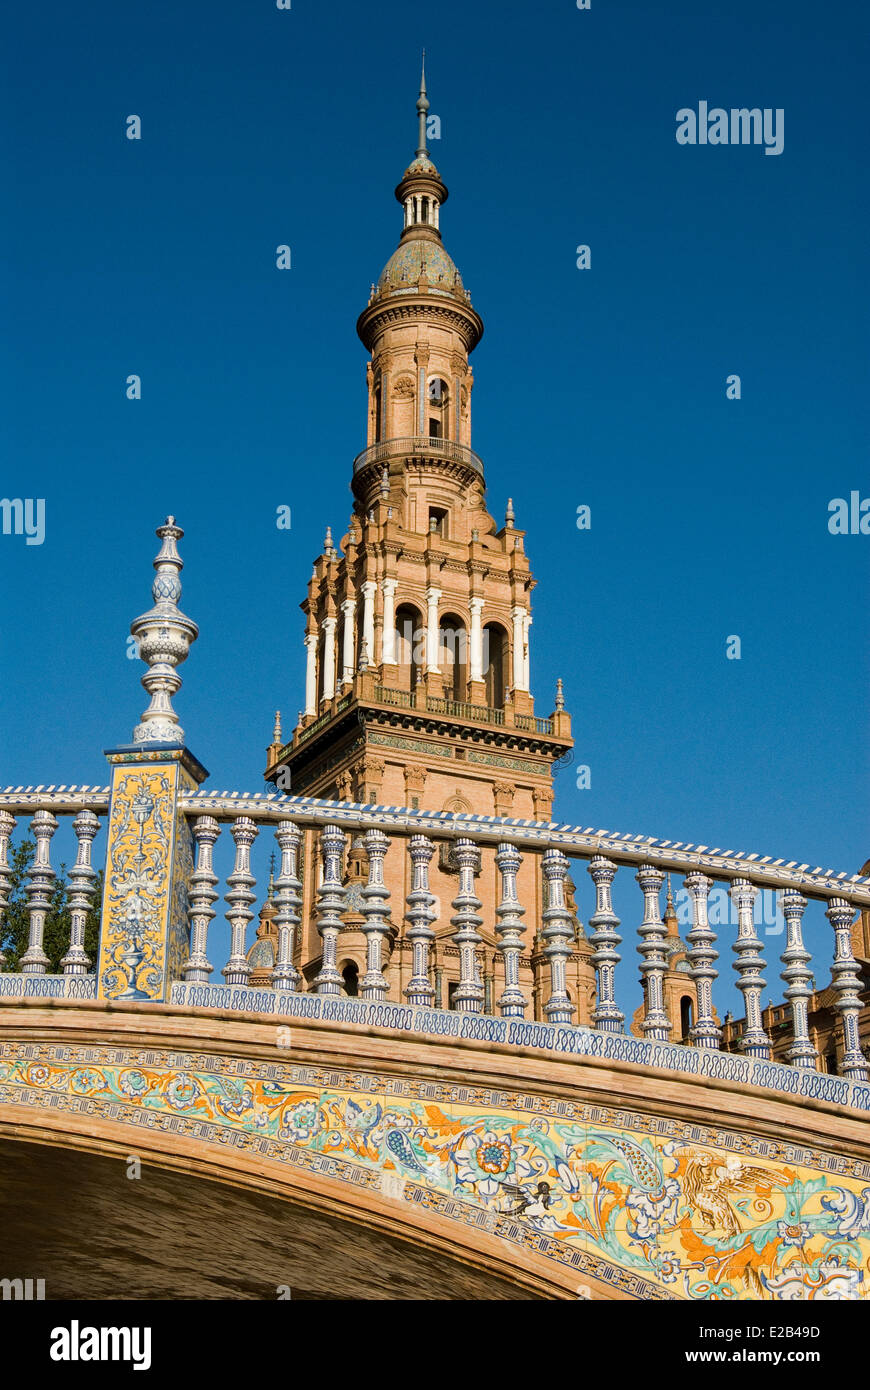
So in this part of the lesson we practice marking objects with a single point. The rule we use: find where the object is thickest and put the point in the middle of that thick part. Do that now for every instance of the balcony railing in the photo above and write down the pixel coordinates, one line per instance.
(418, 446)
(433, 704)
(457, 709)
(531, 723)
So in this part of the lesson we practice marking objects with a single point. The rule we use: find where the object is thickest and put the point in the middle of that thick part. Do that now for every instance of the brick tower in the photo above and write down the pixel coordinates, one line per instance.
(417, 686)
(418, 689)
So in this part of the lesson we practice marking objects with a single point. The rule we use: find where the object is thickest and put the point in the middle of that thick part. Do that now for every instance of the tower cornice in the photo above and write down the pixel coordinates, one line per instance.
(418, 306)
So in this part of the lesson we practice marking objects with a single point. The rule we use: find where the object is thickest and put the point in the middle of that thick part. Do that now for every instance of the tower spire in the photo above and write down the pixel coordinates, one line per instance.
(422, 108)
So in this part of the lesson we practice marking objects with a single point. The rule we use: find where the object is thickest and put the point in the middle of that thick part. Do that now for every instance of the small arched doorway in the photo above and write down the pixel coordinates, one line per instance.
(350, 976)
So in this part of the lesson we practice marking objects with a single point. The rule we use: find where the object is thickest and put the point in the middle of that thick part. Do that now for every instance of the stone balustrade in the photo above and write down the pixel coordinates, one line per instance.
(418, 835)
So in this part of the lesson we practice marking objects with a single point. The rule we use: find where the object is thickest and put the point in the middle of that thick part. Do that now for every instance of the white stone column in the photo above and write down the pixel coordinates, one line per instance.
(432, 652)
(846, 983)
(311, 673)
(475, 655)
(526, 658)
(518, 615)
(749, 966)
(348, 609)
(388, 640)
(329, 657)
(369, 588)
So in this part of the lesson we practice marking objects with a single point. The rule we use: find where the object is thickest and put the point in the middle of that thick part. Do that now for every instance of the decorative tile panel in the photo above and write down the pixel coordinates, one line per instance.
(143, 939)
(656, 1209)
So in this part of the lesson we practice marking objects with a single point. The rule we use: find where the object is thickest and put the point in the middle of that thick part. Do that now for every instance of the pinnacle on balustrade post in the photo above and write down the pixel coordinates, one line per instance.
(83, 878)
(512, 1002)
(163, 638)
(203, 895)
(557, 933)
(145, 932)
(468, 998)
(39, 889)
(376, 927)
(846, 981)
(798, 977)
(240, 897)
(330, 904)
(288, 890)
(420, 915)
(706, 1032)
(656, 1023)
(606, 1016)
(7, 825)
(749, 965)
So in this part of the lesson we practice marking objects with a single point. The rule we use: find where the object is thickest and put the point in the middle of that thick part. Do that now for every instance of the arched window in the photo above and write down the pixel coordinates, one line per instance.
(685, 1016)
(438, 408)
(410, 645)
(350, 975)
(453, 655)
(495, 664)
(379, 411)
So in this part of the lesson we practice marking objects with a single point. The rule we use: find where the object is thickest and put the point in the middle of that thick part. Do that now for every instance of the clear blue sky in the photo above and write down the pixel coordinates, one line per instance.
(605, 387)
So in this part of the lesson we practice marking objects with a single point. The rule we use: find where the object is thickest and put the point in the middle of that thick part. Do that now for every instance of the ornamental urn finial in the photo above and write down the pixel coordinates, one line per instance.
(509, 514)
(560, 694)
(163, 638)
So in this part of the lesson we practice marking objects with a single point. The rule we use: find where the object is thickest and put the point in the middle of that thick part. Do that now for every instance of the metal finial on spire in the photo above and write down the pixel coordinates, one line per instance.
(163, 638)
(270, 893)
(670, 913)
(422, 108)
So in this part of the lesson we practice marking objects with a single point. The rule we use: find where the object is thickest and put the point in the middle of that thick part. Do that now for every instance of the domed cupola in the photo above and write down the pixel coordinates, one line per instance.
(420, 265)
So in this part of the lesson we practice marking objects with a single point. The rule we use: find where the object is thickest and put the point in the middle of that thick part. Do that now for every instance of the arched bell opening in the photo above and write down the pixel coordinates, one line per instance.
(438, 408)
(495, 663)
(453, 656)
(410, 646)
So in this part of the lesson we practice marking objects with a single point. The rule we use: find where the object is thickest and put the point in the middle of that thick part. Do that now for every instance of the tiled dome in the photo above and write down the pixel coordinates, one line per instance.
(408, 262)
(421, 165)
(261, 955)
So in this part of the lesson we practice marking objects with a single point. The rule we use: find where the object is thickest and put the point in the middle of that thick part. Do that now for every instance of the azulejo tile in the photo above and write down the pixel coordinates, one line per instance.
(658, 1217)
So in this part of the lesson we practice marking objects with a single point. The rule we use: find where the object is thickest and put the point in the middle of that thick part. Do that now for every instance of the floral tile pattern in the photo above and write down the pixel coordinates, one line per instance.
(661, 1217)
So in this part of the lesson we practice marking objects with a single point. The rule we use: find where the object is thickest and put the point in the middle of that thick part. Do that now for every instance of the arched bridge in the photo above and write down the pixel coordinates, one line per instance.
(496, 1154)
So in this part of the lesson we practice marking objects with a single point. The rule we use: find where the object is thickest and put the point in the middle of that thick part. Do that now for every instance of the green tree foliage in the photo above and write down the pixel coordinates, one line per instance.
(15, 925)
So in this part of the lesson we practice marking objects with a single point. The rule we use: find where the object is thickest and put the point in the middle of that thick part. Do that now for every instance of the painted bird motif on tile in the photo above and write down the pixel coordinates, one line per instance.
(709, 1185)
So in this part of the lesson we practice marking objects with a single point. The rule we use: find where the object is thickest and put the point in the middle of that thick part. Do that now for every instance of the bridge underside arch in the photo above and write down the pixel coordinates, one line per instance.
(94, 1232)
(488, 1170)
